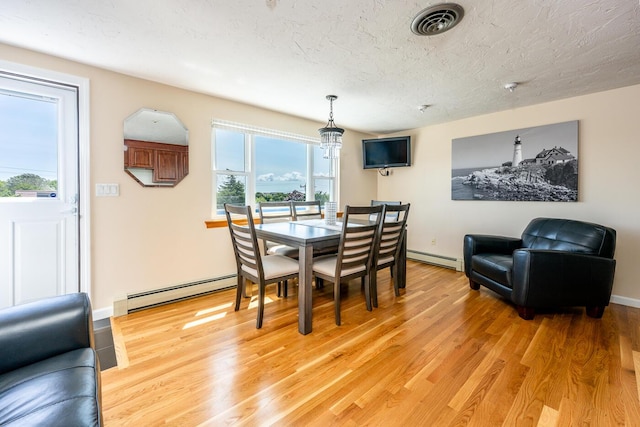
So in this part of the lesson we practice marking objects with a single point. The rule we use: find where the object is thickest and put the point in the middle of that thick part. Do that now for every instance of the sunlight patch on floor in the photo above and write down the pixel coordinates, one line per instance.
(204, 320)
(254, 301)
(208, 319)
(213, 309)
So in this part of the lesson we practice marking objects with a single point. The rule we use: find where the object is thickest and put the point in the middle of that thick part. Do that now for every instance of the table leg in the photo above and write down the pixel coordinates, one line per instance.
(402, 262)
(305, 258)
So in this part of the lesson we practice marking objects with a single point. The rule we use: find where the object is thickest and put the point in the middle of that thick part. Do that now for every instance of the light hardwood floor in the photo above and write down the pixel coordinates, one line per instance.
(439, 355)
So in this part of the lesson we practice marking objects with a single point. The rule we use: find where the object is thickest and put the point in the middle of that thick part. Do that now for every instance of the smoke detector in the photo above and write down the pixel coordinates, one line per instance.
(437, 19)
(511, 86)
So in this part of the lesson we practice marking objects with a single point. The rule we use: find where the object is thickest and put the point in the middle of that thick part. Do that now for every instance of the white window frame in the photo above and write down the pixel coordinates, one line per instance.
(249, 173)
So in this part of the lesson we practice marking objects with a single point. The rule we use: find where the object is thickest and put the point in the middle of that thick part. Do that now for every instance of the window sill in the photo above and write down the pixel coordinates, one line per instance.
(220, 223)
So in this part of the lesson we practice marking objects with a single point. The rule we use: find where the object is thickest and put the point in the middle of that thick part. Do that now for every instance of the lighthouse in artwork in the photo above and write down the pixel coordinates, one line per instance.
(517, 152)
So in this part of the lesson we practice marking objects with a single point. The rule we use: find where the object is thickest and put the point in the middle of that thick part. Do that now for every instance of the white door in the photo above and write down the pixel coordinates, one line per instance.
(39, 229)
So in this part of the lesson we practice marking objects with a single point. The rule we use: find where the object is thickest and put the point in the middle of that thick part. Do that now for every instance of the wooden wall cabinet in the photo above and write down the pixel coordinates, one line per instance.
(168, 163)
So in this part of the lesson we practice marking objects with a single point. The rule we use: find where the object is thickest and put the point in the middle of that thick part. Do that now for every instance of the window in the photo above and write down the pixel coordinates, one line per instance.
(253, 165)
(28, 143)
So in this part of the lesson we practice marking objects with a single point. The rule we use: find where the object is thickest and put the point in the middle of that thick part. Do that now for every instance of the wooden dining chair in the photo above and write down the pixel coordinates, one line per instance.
(307, 210)
(388, 247)
(312, 210)
(355, 253)
(251, 265)
(278, 212)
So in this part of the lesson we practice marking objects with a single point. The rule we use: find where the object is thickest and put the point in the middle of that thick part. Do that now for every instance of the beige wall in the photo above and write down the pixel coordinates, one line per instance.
(149, 238)
(609, 149)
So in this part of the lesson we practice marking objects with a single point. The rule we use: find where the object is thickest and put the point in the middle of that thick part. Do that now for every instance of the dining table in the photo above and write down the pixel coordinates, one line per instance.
(309, 236)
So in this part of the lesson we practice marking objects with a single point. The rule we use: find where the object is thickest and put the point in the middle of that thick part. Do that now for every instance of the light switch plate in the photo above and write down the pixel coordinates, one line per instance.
(107, 190)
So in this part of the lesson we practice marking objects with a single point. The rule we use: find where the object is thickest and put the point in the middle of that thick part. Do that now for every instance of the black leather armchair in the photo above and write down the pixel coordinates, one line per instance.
(49, 370)
(555, 263)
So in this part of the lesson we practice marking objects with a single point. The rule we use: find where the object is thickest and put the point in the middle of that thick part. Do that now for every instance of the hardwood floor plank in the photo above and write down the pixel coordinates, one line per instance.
(548, 418)
(484, 369)
(439, 354)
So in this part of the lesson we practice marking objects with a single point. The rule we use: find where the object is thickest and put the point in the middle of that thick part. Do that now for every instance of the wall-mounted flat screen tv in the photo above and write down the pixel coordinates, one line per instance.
(386, 152)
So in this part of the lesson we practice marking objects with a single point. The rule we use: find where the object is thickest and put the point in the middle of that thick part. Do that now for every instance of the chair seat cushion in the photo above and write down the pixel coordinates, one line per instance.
(275, 266)
(496, 267)
(59, 391)
(288, 251)
(385, 260)
(327, 266)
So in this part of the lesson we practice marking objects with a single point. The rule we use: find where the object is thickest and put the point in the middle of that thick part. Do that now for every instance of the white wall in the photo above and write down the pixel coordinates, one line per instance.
(608, 193)
(151, 238)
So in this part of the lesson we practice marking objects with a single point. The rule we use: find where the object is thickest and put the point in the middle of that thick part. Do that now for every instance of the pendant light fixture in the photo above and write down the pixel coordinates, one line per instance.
(330, 135)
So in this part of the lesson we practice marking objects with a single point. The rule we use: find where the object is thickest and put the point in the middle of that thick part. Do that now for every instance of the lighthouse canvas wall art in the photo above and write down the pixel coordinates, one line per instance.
(531, 164)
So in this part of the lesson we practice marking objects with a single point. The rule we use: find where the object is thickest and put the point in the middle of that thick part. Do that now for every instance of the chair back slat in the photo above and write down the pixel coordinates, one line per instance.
(307, 210)
(391, 233)
(275, 212)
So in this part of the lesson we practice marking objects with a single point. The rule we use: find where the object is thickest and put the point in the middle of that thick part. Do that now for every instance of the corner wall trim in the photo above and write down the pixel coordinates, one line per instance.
(439, 260)
(630, 302)
(102, 313)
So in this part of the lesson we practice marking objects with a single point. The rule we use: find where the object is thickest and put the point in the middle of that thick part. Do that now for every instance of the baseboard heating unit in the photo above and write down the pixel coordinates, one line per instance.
(439, 260)
(142, 300)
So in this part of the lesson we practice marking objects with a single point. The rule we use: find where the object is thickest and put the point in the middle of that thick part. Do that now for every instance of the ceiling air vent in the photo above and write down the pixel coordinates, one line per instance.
(437, 19)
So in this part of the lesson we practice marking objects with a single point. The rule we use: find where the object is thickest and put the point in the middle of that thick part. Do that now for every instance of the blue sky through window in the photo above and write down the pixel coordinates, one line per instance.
(280, 166)
(28, 140)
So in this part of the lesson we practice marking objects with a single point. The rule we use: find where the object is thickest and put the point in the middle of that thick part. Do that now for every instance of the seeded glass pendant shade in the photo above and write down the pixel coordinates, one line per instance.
(330, 135)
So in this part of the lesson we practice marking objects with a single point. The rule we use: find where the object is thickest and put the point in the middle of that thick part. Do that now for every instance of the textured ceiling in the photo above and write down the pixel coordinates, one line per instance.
(287, 55)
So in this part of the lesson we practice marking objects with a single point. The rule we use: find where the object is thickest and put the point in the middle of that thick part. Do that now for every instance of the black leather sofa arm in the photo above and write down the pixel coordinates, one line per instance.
(42, 329)
(544, 278)
(483, 243)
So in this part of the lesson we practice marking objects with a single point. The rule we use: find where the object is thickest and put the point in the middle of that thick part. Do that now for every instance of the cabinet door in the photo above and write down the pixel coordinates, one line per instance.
(140, 157)
(185, 163)
(168, 167)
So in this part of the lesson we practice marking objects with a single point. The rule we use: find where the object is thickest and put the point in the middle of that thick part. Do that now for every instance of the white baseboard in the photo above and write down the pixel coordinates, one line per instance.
(440, 260)
(630, 302)
(170, 294)
(142, 300)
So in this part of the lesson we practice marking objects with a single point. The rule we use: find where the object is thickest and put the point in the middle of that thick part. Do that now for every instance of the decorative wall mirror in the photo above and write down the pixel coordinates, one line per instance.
(156, 148)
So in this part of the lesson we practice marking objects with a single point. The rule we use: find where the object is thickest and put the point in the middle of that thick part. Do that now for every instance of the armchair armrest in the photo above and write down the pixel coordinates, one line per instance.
(481, 243)
(555, 278)
(45, 328)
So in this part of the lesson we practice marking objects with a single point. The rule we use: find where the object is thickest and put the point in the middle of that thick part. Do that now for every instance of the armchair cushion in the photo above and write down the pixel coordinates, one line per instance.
(494, 266)
(49, 370)
(555, 263)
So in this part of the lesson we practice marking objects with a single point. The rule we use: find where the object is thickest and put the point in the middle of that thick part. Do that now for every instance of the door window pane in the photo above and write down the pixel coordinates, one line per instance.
(28, 146)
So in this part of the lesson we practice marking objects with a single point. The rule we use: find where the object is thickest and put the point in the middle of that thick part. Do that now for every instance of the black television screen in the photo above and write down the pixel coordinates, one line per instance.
(386, 152)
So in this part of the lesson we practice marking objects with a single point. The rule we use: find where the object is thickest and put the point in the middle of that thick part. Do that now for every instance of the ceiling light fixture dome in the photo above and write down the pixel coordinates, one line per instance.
(331, 135)
(437, 19)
